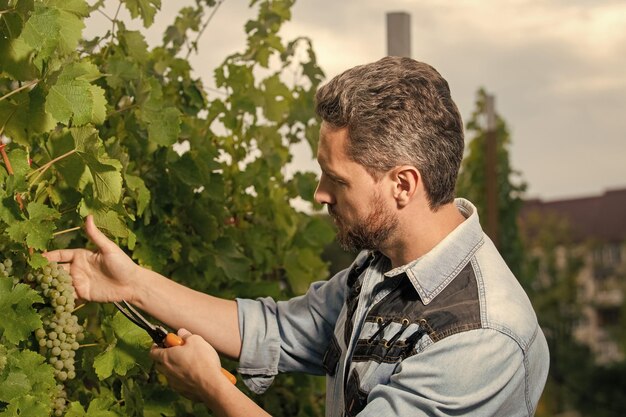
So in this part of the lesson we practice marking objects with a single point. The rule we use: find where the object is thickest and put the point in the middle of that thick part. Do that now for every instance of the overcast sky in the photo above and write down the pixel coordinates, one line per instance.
(557, 69)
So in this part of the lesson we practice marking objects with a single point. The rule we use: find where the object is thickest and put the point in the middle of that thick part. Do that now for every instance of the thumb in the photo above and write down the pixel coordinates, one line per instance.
(96, 236)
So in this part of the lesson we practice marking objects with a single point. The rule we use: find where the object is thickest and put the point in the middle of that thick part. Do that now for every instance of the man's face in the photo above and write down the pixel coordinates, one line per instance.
(355, 200)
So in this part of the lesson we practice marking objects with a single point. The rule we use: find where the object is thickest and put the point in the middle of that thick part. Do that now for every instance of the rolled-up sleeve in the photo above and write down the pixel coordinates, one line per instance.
(288, 336)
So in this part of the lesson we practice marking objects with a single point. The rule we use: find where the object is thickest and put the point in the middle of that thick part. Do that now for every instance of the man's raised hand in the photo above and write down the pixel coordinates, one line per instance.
(102, 275)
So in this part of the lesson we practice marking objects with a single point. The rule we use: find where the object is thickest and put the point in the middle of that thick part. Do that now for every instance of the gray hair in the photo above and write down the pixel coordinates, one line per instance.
(398, 112)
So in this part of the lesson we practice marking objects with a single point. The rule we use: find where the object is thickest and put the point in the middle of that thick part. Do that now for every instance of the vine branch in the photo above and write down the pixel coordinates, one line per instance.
(7, 163)
(71, 229)
(204, 26)
(42, 169)
(17, 90)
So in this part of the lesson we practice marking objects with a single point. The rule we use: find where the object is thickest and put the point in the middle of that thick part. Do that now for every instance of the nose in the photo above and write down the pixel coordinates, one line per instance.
(322, 194)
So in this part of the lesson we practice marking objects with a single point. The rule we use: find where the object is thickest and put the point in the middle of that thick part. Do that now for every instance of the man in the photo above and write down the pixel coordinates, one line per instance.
(428, 321)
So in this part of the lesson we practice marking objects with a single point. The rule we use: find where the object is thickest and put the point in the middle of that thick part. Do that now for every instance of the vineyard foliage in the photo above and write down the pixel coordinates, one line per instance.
(190, 181)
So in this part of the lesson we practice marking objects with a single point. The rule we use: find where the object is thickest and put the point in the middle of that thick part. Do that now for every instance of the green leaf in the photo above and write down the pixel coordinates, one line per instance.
(121, 71)
(305, 184)
(139, 190)
(107, 220)
(277, 97)
(105, 171)
(234, 264)
(19, 318)
(133, 398)
(146, 9)
(19, 163)
(24, 115)
(128, 349)
(188, 171)
(104, 405)
(36, 261)
(159, 401)
(37, 229)
(77, 100)
(163, 122)
(77, 7)
(51, 31)
(303, 266)
(16, 59)
(9, 209)
(41, 31)
(27, 405)
(135, 45)
(164, 128)
(26, 373)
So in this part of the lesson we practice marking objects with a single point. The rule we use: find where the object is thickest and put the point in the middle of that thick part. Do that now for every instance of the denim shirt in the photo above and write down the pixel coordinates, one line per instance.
(451, 333)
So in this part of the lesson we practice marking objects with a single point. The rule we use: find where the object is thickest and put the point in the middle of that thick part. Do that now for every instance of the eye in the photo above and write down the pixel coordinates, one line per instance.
(337, 180)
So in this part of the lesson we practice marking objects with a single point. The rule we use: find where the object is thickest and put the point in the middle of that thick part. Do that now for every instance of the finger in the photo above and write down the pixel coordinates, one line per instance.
(96, 236)
(184, 333)
(60, 255)
(157, 353)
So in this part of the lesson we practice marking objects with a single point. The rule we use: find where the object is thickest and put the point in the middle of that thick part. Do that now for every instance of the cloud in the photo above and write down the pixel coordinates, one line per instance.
(557, 69)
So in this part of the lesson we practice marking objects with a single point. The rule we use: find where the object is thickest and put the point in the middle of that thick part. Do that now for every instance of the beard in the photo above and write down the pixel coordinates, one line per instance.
(369, 232)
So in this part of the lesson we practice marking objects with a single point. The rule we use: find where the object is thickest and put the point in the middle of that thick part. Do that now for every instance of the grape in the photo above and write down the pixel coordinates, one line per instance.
(59, 399)
(61, 330)
(6, 270)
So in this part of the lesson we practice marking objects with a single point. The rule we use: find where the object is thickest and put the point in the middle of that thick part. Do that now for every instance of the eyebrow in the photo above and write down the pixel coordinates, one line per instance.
(333, 175)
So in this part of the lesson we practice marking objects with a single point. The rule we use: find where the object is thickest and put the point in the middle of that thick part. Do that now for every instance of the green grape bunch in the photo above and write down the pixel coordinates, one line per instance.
(6, 270)
(61, 333)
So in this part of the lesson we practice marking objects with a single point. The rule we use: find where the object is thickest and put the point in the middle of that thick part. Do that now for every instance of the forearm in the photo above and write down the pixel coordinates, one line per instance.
(226, 400)
(213, 318)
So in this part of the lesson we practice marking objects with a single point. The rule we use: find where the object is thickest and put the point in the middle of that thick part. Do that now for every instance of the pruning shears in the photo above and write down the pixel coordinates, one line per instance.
(159, 334)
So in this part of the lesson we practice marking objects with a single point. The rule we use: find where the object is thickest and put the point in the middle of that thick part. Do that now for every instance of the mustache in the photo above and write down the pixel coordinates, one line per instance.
(332, 212)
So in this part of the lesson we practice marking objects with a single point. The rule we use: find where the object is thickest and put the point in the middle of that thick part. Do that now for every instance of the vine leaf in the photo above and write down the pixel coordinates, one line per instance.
(146, 9)
(76, 99)
(102, 406)
(19, 318)
(163, 122)
(135, 45)
(19, 163)
(37, 229)
(77, 7)
(128, 348)
(230, 259)
(25, 377)
(36, 260)
(139, 190)
(14, 51)
(25, 115)
(52, 31)
(27, 405)
(105, 171)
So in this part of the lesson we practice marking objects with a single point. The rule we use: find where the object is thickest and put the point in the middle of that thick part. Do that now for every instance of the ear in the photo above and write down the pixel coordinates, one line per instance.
(405, 180)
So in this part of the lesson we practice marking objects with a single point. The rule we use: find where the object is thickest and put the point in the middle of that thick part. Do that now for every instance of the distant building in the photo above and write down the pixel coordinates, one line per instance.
(594, 230)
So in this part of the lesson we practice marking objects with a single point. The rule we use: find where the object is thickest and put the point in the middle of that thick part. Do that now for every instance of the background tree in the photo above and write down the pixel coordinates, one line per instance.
(472, 183)
(189, 181)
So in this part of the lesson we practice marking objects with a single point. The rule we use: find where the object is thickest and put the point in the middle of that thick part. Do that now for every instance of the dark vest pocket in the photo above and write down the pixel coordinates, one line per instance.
(331, 357)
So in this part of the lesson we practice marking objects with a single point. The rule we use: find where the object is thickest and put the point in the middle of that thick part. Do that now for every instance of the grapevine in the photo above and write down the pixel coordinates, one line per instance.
(88, 126)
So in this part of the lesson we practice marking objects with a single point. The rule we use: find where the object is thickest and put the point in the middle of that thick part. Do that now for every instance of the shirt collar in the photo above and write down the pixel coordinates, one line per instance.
(431, 273)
